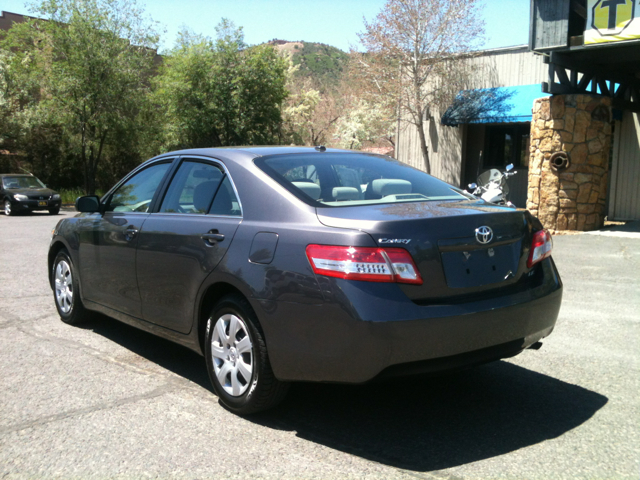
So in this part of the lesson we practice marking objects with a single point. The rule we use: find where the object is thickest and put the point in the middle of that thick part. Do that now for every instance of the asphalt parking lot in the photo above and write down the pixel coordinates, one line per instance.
(107, 400)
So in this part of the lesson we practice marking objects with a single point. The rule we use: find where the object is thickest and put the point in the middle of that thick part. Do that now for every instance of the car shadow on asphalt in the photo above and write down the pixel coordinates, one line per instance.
(433, 423)
(414, 423)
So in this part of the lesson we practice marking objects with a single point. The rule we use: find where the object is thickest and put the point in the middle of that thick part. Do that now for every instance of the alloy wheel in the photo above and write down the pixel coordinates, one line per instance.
(7, 207)
(232, 354)
(64, 286)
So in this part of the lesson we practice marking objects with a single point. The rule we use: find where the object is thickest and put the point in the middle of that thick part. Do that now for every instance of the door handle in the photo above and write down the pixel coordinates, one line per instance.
(212, 237)
(130, 233)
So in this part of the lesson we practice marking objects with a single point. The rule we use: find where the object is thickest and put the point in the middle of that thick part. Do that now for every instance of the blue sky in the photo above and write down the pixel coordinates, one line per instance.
(334, 22)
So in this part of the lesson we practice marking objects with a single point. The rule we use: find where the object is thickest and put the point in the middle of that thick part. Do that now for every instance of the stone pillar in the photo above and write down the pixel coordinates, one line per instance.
(570, 197)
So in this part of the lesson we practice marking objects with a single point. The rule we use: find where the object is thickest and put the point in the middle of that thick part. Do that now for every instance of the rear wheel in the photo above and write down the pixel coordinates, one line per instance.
(66, 291)
(7, 208)
(237, 359)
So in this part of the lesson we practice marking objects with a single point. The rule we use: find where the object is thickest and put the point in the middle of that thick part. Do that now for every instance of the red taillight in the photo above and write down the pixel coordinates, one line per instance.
(540, 247)
(364, 263)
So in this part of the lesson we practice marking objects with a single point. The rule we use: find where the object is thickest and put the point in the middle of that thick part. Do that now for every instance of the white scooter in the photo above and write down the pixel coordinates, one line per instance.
(492, 186)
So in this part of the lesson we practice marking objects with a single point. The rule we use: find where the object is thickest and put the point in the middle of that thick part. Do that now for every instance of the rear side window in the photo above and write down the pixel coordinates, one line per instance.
(192, 188)
(347, 179)
(226, 201)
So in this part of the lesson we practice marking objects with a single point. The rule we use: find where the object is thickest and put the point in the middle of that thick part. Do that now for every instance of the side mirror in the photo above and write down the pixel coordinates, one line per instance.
(88, 204)
(473, 186)
(509, 167)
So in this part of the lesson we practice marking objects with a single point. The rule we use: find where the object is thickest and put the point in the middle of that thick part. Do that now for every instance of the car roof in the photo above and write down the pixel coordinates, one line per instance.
(248, 153)
(16, 175)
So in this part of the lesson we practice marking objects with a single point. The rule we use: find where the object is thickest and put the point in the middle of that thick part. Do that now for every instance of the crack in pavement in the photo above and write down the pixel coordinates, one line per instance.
(172, 382)
(436, 475)
(157, 392)
(13, 320)
(66, 343)
(11, 297)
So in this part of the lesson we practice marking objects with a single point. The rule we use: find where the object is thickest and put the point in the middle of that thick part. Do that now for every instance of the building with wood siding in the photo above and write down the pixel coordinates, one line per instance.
(459, 153)
(591, 120)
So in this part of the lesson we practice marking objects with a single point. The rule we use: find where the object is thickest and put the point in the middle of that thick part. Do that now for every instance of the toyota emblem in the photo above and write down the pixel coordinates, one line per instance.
(484, 235)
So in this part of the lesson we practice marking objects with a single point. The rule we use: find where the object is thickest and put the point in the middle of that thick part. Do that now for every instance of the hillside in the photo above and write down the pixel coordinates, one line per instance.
(322, 63)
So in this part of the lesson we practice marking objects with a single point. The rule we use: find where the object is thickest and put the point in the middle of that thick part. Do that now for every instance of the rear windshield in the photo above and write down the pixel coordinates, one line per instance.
(348, 179)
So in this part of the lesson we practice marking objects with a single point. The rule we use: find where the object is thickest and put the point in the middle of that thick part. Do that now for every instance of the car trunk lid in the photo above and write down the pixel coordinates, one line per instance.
(461, 249)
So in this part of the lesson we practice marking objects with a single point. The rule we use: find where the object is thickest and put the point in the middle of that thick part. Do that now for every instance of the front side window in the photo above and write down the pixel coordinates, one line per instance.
(192, 188)
(347, 179)
(136, 193)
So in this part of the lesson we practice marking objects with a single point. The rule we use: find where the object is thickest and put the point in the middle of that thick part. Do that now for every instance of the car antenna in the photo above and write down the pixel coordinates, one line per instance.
(321, 148)
(27, 171)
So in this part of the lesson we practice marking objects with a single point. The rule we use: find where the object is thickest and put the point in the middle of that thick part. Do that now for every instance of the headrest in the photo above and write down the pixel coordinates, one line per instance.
(349, 178)
(345, 193)
(309, 188)
(390, 186)
(202, 196)
(222, 204)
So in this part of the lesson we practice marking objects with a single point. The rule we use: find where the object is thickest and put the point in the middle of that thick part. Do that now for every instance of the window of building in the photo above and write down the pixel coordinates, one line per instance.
(507, 144)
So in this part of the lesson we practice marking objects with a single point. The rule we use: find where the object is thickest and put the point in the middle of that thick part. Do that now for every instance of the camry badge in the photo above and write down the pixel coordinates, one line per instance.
(484, 235)
(404, 241)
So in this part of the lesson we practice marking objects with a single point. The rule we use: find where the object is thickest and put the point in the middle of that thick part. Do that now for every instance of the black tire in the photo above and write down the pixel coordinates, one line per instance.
(262, 390)
(54, 211)
(7, 208)
(66, 290)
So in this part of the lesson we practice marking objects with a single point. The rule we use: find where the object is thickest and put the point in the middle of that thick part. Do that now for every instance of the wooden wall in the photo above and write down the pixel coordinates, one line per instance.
(549, 24)
(624, 197)
(503, 67)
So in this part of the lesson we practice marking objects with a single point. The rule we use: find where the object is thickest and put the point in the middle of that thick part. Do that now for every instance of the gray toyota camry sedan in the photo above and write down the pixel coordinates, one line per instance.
(283, 264)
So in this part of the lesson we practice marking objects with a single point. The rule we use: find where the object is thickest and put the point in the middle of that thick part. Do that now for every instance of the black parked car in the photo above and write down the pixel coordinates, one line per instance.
(25, 193)
(301, 264)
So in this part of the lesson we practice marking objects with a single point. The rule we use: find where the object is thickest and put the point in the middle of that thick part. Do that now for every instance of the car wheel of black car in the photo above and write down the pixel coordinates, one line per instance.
(54, 211)
(7, 208)
(237, 359)
(66, 292)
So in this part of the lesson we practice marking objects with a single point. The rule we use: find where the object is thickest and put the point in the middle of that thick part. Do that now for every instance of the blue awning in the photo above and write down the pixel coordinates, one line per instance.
(493, 105)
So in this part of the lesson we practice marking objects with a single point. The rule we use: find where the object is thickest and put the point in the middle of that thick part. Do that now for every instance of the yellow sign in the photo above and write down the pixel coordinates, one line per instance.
(612, 21)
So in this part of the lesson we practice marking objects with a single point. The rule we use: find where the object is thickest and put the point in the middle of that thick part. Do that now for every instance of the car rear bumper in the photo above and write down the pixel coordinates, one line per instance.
(371, 335)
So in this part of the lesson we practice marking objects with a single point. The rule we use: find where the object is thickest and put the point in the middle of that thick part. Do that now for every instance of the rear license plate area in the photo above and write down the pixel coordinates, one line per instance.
(42, 203)
(475, 268)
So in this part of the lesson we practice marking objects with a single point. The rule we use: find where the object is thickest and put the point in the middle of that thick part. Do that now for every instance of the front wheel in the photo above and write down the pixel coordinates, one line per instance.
(237, 359)
(54, 211)
(66, 291)
(7, 208)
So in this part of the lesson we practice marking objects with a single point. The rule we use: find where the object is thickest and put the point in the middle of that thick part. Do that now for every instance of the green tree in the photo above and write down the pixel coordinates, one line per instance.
(220, 92)
(409, 46)
(84, 70)
(364, 123)
(322, 63)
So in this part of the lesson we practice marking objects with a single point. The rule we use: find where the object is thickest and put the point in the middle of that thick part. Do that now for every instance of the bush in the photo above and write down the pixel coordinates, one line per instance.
(69, 195)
